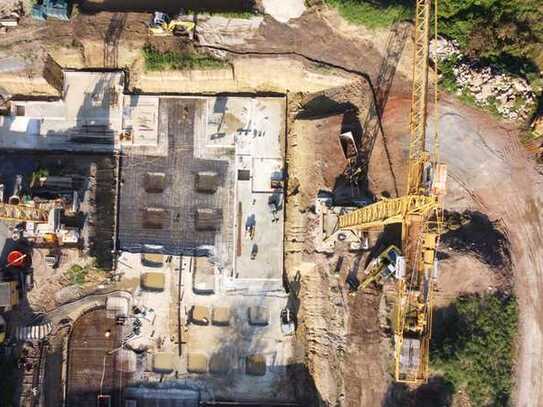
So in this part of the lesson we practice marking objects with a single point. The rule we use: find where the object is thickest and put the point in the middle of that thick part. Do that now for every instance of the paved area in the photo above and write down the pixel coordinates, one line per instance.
(224, 342)
(159, 330)
(240, 140)
(253, 130)
(203, 313)
(231, 343)
(87, 118)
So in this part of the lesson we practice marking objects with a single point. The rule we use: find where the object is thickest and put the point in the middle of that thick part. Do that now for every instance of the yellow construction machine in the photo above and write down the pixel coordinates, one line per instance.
(389, 263)
(22, 213)
(419, 212)
(163, 25)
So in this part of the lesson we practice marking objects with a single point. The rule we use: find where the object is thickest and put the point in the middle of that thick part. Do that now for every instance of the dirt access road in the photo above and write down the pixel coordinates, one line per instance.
(490, 171)
(495, 172)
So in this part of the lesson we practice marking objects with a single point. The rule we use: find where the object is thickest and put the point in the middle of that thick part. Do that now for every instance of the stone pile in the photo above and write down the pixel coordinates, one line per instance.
(512, 97)
(442, 49)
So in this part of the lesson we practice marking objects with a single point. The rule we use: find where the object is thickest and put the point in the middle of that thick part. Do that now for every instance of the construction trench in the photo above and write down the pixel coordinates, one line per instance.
(340, 353)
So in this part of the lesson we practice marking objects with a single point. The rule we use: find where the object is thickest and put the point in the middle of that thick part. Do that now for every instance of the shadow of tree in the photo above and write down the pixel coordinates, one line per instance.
(477, 233)
(438, 392)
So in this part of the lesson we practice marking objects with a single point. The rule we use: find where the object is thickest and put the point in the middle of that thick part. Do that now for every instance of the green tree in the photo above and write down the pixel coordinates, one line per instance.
(505, 32)
(473, 347)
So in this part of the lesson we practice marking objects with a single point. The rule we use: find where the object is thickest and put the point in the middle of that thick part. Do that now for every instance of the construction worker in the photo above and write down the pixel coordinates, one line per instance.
(273, 204)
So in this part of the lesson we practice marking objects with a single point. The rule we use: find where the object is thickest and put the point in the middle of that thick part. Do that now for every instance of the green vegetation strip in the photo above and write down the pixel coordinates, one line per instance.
(175, 60)
(508, 34)
(473, 347)
(245, 15)
(371, 15)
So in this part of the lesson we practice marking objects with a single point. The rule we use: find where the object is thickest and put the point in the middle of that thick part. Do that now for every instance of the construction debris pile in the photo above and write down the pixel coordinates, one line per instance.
(512, 97)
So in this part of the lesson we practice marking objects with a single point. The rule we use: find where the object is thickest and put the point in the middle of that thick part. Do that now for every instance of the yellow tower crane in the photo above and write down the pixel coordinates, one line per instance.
(23, 213)
(419, 212)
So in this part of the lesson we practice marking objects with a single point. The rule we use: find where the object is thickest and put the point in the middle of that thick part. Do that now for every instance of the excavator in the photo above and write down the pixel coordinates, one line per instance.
(419, 212)
(388, 264)
(163, 25)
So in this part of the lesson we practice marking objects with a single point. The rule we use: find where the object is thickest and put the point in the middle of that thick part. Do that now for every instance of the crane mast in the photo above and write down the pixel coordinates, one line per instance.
(419, 97)
(419, 212)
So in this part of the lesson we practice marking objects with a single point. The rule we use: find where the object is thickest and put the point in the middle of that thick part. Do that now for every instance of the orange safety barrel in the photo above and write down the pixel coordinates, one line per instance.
(16, 258)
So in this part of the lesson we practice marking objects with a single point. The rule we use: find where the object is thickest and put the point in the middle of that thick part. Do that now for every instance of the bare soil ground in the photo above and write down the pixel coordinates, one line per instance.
(489, 171)
(345, 346)
(461, 275)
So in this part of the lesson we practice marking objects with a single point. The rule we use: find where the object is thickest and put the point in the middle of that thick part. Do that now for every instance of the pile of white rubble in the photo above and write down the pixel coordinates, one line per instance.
(512, 96)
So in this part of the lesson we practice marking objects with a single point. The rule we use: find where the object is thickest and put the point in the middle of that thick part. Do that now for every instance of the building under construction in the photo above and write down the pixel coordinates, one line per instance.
(171, 200)
(192, 211)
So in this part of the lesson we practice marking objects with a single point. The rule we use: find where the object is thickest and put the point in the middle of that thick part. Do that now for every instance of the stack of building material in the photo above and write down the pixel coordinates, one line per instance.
(153, 281)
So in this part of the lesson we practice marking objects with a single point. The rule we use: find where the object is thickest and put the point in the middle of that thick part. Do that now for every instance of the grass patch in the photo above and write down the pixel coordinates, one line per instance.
(242, 14)
(173, 60)
(371, 15)
(78, 274)
(492, 106)
(473, 347)
(234, 14)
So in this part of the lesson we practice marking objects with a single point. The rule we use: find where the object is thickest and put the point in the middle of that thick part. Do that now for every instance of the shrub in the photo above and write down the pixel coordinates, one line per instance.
(77, 274)
(448, 78)
(505, 33)
(473, 348)
(500, 32)
(490, 28)
(245, 15)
